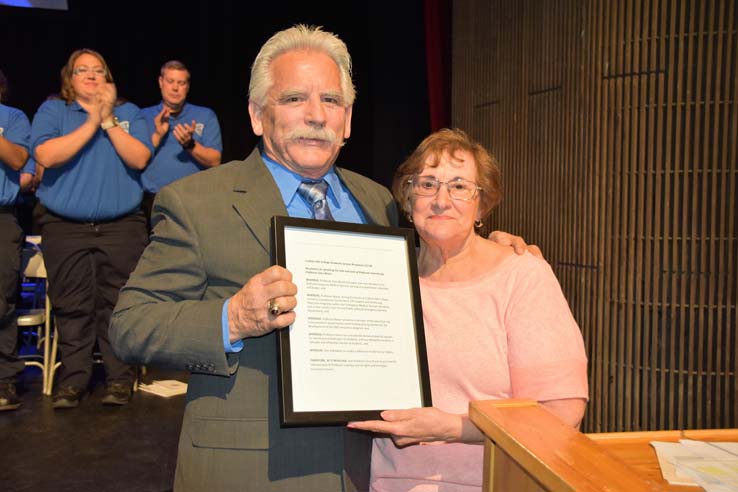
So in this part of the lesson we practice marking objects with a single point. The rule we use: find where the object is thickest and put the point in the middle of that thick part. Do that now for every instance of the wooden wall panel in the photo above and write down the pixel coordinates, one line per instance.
(616, 126)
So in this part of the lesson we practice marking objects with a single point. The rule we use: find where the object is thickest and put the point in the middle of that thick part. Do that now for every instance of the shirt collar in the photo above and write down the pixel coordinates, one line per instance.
(178, 115)
(288, 180)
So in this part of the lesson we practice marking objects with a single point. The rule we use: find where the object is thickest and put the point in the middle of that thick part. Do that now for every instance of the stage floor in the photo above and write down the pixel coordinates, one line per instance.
(92, 447)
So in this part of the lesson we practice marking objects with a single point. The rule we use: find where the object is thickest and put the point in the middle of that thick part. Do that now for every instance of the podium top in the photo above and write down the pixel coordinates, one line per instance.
(554, 454)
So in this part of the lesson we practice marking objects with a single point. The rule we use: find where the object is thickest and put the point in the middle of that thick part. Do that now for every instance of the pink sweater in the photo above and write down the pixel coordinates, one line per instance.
(508, 333)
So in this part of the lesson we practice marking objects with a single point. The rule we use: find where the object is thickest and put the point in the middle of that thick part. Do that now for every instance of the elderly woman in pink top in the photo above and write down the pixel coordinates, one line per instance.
(497, 324)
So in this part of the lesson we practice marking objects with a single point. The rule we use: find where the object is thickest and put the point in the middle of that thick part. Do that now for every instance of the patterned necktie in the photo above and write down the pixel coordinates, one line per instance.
(315, 194)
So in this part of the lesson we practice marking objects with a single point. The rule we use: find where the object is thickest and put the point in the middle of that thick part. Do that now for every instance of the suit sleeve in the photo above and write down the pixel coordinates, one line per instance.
(162, 317)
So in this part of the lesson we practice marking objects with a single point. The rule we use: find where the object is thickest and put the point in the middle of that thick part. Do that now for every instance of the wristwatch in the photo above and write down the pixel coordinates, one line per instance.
(109, 123)
(189, 145)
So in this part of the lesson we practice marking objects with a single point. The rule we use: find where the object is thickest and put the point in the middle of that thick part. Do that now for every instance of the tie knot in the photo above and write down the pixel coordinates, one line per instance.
(314, 191)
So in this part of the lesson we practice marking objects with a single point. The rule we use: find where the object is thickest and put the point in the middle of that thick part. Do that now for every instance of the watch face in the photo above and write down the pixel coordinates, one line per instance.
(106, 125)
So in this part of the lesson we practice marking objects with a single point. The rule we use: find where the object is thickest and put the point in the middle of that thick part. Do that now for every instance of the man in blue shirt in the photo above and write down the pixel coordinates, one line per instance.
(93, 148)
(186, 138)
(14, 132)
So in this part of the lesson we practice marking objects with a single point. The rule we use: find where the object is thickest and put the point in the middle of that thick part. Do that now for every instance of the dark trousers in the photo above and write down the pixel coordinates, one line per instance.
(147, 204)
(10, 250)
(87, 264)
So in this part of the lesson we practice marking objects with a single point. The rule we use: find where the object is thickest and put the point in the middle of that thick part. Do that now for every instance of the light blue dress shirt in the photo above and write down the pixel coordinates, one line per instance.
(343, 205)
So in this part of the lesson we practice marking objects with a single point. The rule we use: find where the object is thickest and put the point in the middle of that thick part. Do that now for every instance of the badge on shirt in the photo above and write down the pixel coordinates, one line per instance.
(125, 125)
(199, 127)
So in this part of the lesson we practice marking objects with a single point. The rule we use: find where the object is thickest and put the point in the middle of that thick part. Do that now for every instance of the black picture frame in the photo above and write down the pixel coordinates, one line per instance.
(280, 256)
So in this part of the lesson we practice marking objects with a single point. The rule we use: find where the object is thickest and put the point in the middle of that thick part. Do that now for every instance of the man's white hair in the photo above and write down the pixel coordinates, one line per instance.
(300, 37)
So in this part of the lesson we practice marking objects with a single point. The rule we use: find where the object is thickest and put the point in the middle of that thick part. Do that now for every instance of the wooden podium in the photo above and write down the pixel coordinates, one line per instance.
(528, 449)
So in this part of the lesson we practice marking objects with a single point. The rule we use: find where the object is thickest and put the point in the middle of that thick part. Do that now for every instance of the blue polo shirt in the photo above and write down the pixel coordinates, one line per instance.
(342, 203)
(29, 167)
(15, 128)
(170, 161)
(95, 184)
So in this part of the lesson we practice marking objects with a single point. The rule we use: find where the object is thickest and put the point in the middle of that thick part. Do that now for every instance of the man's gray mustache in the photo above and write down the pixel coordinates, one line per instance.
(325, 134)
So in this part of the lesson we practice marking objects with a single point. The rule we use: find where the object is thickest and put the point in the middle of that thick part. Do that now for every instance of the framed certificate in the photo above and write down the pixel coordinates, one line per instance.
(357, 345)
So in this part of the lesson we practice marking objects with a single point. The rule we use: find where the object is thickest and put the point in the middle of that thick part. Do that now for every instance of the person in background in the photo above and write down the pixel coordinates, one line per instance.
(496, 324)
(15, 175)
(186, 138)
(199, 299)
(93, 149)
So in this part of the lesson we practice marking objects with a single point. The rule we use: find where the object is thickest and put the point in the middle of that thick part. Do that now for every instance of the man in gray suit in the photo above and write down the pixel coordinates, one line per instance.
(200, 297)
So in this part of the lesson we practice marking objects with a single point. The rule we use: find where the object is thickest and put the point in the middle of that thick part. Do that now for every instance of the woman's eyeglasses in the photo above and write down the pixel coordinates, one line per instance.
(458, 188)
(85, 71)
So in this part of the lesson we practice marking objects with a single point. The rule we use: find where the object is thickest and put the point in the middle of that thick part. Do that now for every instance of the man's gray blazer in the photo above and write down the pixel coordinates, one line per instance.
(211, 235)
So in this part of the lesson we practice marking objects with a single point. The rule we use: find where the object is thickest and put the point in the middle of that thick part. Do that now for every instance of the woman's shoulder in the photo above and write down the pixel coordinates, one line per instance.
(485, 264)
(503, 266)
(528, 265)
(127, 107)
(53, 103)
(491, 255)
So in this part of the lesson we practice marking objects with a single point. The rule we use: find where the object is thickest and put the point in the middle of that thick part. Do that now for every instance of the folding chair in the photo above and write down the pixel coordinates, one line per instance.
(33, 268)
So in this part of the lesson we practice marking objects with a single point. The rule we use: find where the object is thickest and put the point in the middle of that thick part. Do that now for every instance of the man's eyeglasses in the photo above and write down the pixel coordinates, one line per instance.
(85, 71)
(458, 188)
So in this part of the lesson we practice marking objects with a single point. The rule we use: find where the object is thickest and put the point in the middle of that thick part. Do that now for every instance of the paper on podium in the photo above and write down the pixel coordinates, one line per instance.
(711, 465)
(667, 453)
(165, 388)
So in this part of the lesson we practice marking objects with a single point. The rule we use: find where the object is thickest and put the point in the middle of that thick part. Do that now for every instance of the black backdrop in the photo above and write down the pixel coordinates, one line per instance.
(218, 40)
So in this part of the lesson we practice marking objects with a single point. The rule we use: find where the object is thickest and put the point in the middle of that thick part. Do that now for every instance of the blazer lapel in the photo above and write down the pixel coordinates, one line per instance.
(256, 197)
(363, 198)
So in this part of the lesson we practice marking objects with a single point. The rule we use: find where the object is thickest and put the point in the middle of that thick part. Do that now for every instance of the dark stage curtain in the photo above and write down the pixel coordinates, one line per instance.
(438, 60)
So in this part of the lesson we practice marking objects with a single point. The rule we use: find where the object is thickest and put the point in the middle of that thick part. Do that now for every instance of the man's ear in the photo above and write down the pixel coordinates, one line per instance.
(347, 125)
(161, 83)
(256, 113)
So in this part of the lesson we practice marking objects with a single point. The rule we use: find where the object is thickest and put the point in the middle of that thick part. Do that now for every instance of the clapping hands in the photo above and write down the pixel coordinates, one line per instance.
(183, 132)
(161, 122)
(105, 100)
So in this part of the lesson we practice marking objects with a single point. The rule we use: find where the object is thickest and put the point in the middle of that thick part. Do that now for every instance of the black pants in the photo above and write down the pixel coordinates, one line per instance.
(10, 250)
(87, 264)
(147, 204)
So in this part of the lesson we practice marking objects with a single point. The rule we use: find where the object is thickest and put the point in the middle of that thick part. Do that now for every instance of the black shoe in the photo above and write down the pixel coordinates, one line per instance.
(9, 399)
(68, 397)
(117, 394)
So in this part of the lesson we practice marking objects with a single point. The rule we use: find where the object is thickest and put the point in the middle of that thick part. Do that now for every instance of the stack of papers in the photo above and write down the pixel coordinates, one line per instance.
(710, 465)
(165, 388)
